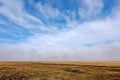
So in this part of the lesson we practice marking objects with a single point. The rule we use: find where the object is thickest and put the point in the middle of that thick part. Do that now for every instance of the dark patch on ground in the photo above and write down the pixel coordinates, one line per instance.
(74, 70)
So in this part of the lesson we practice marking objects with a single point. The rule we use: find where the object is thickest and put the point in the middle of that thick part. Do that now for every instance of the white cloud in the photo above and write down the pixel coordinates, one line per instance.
(18, 15)
(67, 44)
(48, 11)
(90, 8)
(98, 52)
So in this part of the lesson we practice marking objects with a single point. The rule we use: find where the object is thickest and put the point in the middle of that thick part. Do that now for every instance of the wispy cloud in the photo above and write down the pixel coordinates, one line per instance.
(15, 12)
(77, 35)
(91, 8)
(48, 11)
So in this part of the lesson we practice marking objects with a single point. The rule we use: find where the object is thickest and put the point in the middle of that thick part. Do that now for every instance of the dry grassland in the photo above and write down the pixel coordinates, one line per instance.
(60, 70)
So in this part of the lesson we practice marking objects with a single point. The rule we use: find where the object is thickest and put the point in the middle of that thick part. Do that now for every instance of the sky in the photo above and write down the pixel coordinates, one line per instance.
(35, 30)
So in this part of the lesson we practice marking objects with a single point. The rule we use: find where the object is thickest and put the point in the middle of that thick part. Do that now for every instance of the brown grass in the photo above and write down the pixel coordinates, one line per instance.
(60, 70)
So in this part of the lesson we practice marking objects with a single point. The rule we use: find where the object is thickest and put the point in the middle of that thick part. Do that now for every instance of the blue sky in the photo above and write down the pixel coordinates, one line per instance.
(59, 29)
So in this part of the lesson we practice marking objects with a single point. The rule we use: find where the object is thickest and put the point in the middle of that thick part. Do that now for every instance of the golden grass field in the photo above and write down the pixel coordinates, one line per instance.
(68, 70)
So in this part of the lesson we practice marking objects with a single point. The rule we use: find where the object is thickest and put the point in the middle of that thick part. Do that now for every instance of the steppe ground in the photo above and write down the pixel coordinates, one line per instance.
(61, 70)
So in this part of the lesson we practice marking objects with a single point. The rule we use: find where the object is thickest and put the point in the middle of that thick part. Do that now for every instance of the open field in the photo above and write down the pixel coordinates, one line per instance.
(60, 70)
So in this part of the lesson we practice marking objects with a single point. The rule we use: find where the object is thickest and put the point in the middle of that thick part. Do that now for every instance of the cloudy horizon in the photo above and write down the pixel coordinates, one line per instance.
(36, 30)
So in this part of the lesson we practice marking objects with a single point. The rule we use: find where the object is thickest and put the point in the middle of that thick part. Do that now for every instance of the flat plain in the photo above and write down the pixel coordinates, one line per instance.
(60, 70)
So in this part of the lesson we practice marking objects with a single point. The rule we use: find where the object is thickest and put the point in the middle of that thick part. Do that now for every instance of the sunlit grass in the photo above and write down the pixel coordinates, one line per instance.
(59, 71)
